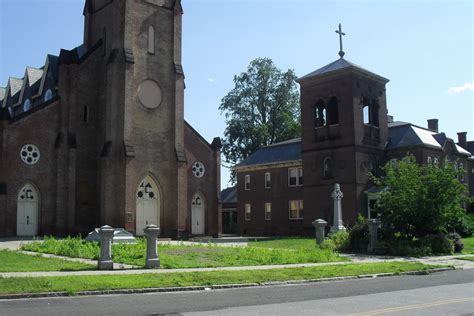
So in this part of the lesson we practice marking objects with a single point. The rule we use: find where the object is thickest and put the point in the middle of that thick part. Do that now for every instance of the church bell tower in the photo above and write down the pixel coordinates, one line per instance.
(344, 133)
(142, 161)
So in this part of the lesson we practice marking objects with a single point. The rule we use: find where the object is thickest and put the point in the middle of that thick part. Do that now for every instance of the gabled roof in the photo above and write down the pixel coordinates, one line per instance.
(2, 94)
(338, 65)
(15, 85)
(229, 195)
(34, 74)
(286, 151)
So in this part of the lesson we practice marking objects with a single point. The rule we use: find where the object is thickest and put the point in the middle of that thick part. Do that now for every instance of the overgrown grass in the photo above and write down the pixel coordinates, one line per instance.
(12, 261)
(186, 256)
(73, 284)
(286, 243)
(468, 245)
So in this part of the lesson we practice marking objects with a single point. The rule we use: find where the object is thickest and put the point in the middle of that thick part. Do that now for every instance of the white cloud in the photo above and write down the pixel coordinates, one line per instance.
(211, 80)
(467, 86)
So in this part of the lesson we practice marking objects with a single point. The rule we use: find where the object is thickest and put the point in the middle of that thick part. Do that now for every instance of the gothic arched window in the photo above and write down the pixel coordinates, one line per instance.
(333, 111)
(320, 115)
(151, 39)
(26, 105)
(327, 166)
(48, 95)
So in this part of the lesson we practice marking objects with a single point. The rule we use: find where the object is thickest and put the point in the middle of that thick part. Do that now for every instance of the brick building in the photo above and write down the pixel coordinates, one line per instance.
(97, 135)
(346, 133)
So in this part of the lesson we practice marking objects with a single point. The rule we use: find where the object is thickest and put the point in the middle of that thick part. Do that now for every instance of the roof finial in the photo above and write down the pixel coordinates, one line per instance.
(341, 52)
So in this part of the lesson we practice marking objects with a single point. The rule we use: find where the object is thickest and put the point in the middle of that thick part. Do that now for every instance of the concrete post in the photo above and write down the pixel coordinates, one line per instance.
(320, 225)
(373, 229)
(152, 260)
(105, 259)
(337, 197)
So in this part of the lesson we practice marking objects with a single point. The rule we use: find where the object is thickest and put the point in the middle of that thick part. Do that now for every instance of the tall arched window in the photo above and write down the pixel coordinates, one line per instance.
(366, 111)
(327, 168)
(320, 115)
(48, 95)
(151, 40)
(370, 109)
(26, 105)
(333, 111)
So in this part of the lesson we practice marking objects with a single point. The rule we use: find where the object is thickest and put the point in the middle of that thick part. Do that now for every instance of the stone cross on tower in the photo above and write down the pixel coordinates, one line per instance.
(341, 52)
(337, 197)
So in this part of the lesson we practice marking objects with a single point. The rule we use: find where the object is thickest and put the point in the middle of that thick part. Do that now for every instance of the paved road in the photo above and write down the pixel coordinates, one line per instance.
(446, 293)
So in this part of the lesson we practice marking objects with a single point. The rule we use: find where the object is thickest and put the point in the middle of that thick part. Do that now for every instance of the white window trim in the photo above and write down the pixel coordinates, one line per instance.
(297, 176)
(249, 213)
(247, 181)
(269, 180)
(299, 211)
(270, 212)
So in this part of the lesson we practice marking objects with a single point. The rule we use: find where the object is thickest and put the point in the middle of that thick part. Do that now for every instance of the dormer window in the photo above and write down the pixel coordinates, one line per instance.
(48, 95)
(26, 105)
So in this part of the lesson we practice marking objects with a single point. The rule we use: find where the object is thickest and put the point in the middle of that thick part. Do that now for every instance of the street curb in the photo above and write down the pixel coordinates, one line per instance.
(217, 287)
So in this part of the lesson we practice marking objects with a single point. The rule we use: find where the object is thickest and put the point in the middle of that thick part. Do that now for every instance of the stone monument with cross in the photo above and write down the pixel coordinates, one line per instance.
(337, 197)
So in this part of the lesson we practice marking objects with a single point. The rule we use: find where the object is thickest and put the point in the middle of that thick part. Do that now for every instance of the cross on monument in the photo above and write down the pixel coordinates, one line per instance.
(341, 52)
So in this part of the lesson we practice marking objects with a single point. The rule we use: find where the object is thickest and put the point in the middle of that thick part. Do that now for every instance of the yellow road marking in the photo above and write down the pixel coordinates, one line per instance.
(414, 306)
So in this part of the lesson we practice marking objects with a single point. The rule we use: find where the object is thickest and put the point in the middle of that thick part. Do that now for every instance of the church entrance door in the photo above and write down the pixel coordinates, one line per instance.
(197, 215)
(148, 205)
(27, 211)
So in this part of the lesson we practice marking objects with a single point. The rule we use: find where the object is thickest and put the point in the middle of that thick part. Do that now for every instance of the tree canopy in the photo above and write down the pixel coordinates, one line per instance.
(262, 108)
(420, 200)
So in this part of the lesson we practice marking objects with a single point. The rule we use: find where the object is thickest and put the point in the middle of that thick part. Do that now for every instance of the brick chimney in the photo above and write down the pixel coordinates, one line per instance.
(433, 125)
(462, 139)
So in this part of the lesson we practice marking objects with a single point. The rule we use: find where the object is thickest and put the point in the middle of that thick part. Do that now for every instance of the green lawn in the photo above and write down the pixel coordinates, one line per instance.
(286, 243)
(12, 261)
(186, 256)
(468, 245)
(73, 284)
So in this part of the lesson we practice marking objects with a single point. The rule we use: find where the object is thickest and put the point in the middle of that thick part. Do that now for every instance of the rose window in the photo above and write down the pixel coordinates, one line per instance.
(198, 169)
(30, 154)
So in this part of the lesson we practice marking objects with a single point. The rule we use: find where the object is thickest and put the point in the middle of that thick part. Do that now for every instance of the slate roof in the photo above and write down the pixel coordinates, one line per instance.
(402, 134)
(2, 93)
(229, 195)
(339, 64)
(34, 75)
(15, 85)
(289, 150)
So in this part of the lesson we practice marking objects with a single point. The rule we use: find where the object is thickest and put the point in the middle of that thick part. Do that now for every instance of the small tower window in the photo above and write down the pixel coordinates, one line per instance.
(48, 95)
(85, 117)
(151, 40)
(327, 168)
(320, 118)
(333, 111)
(26, 105)
(370, 111)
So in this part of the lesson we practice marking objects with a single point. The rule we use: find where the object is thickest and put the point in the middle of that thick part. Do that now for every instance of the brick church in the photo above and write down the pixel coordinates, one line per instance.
(97, 135)
(346, 133)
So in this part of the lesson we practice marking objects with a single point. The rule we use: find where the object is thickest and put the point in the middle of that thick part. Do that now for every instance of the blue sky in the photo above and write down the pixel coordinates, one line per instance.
(425, 48)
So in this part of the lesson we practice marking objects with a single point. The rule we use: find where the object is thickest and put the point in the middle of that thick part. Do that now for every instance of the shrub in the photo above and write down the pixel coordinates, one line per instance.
(456, 239)
(463, 225)
(440, 244)
(328, 244)
(359, 235)
(399, 246)
(340, 239)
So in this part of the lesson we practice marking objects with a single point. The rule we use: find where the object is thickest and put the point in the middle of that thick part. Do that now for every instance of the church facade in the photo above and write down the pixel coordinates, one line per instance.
(346, 134)
(97, 135)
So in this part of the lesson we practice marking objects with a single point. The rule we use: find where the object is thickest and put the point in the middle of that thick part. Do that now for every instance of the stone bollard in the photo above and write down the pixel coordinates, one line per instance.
(105, 259)
(373, 230)
(320, 225)
(152, 260)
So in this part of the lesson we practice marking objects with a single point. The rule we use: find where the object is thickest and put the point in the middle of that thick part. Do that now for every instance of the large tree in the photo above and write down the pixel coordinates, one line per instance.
(421, 200)
(262, 108)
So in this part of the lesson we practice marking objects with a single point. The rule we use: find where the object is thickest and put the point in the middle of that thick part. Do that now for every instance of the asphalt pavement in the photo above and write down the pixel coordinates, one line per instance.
(444, 293)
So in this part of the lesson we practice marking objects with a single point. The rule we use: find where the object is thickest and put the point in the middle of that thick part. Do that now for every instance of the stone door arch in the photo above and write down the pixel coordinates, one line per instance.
(198, 218)
(27, 211)
(148, 205)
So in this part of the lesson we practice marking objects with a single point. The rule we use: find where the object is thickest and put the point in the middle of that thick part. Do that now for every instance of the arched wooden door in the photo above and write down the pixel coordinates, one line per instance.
(148, 205)
(27, 211)
(197, 215)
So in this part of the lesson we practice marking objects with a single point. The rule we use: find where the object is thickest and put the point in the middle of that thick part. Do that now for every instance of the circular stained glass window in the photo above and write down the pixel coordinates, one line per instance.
(30, 154)
(198, 169)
